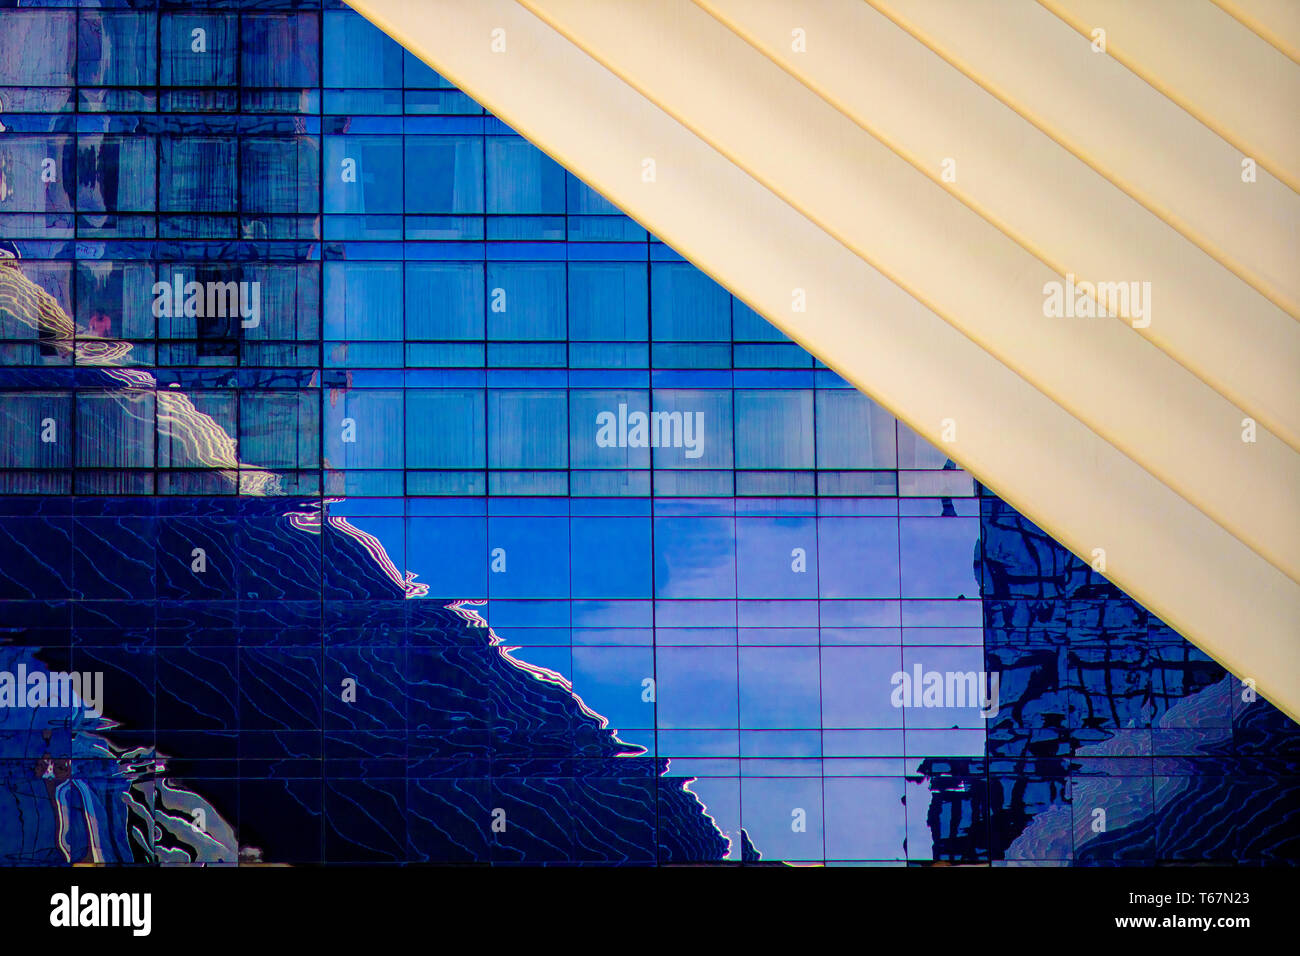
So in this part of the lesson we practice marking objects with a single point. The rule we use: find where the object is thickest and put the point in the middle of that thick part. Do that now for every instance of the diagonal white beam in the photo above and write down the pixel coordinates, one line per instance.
(1039, 194)
(1122, 127)
(1211, 65)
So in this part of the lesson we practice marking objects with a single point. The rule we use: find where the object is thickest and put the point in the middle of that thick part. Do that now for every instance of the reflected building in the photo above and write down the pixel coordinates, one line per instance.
(500, 533)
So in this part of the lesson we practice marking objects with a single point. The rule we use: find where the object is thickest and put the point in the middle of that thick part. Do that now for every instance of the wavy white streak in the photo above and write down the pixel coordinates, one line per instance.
(465, 610)
(88, 811)
(375, 548)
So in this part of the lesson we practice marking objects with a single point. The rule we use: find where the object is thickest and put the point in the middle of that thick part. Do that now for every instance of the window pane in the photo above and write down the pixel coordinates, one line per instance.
(525, 300)
(607, 301)
(521, 178)
(444, 428)
(527, 428)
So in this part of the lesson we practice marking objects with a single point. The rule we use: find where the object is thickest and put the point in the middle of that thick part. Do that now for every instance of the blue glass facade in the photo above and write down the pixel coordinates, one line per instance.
(416, 505)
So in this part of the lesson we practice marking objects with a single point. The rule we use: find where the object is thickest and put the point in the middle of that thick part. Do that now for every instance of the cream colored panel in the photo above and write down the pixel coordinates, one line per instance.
(1042, 196)
(1229, 78)
(1277, 21)
(945, 255)
(1124, 128)
(1166, 554)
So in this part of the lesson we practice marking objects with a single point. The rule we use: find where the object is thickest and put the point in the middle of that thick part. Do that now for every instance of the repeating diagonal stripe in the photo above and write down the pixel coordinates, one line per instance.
(1042, 196)
(1208, 63)
(1125, 129)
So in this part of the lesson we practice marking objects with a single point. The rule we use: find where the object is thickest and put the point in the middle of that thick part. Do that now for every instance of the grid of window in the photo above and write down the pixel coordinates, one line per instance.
(318, 324)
